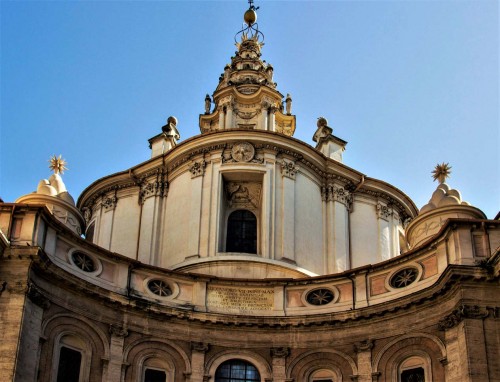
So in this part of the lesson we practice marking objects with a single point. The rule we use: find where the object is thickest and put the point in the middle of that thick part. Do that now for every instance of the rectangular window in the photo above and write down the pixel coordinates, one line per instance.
(69, 365)
(152, 375)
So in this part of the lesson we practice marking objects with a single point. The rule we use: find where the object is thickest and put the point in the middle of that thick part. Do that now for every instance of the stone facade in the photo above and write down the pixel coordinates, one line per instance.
(329, 275)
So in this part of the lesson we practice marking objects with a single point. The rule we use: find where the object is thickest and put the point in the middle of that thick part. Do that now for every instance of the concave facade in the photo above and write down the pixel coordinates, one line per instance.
(244, 254)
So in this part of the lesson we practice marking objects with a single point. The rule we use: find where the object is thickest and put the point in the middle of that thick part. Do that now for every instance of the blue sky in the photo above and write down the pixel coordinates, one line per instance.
(407, 83)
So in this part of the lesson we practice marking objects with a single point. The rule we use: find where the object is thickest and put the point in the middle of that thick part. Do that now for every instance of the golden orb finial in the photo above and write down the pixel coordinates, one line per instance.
(441, 172)
(58, 165)
(250, 17)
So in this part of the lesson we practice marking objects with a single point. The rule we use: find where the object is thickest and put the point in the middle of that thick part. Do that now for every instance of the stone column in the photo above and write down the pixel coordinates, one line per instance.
(364, 353)
(198, 350)
(279, 364)
(115, 363)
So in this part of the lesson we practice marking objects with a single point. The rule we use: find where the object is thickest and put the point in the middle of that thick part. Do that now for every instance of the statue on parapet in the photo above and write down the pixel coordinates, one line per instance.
(170, 129)
(323, 130)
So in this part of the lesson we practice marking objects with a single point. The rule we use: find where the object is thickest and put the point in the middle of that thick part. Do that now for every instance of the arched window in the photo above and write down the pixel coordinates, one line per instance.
(237, 370)
(241, 232)
(413, 369)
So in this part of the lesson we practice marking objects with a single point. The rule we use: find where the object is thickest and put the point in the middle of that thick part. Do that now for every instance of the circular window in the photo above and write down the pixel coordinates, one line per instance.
(159, 288)
(320, 296)
(404, 277)
(83, 261)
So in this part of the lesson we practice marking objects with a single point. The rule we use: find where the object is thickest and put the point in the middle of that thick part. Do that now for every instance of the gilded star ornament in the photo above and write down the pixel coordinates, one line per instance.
(57, 164)
(441, 172)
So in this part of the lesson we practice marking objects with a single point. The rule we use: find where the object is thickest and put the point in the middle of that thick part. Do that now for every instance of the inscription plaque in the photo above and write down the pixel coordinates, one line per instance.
(240, 300)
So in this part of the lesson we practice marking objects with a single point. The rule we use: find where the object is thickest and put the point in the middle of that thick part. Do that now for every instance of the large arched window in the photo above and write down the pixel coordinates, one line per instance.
(237, 370)
(241, 232)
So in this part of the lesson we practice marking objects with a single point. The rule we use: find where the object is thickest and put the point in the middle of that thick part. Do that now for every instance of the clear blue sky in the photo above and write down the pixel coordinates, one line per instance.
(407, 83)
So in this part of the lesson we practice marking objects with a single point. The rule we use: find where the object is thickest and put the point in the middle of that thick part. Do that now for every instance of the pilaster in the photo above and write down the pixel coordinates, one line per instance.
(198, 350)
(363, 350)
(115, 363)
(279, 364)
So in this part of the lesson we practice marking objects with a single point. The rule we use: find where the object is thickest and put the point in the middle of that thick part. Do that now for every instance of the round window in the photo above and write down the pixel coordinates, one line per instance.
(404, 277)
(159, 288)
(320, 296)
(83, 261)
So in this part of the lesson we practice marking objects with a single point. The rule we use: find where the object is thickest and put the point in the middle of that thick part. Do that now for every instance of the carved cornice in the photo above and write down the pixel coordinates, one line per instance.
(461, 313)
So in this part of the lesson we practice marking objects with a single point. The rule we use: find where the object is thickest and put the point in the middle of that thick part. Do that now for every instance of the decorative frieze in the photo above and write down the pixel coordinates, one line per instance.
(197, 168)
(289, 169)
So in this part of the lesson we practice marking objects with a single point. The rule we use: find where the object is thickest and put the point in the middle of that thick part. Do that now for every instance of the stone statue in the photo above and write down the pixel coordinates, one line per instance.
(323, 130)
(170, 129)
(288, 102)
(208, 103)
